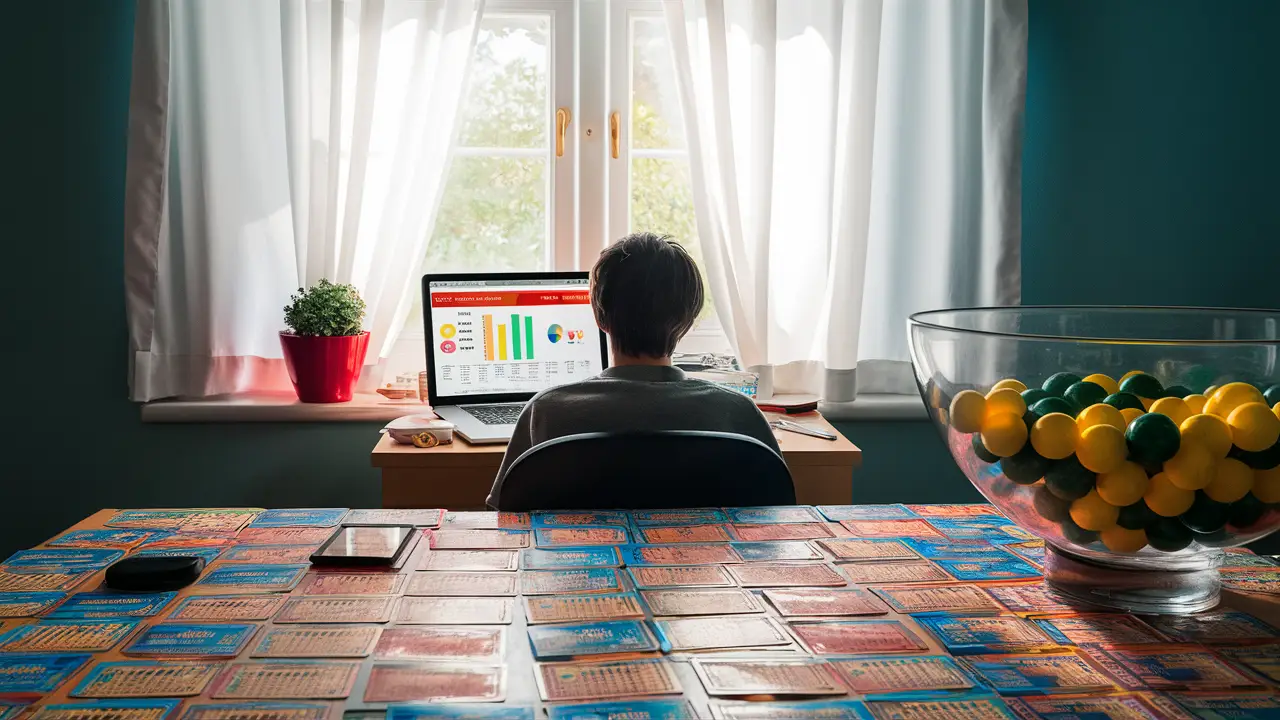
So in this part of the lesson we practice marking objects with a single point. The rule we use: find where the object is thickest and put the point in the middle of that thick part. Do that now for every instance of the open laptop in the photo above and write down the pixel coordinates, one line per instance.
(494, 340)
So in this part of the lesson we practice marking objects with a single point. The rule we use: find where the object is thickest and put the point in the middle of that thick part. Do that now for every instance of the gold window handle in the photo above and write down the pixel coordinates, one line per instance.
(563, 118)
(615, 122)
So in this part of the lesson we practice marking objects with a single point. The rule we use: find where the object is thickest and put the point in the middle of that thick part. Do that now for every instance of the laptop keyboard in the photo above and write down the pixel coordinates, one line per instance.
(505, 414)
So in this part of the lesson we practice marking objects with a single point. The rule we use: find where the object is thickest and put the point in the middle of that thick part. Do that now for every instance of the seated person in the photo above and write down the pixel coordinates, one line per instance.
(646, 294)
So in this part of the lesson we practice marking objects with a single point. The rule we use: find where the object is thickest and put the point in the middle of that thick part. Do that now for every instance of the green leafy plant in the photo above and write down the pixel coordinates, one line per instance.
(325, 309)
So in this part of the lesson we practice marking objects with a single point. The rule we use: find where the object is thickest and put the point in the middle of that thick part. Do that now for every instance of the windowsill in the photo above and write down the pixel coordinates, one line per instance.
(277, 407)
(876, 407)
(285, 407)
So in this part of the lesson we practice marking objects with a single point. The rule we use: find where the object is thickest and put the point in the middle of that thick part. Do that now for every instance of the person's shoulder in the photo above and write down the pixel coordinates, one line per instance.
(721, 394)
(568, 391)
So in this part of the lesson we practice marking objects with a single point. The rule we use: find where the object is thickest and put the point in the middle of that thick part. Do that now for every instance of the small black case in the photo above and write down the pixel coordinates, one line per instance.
(154, 574)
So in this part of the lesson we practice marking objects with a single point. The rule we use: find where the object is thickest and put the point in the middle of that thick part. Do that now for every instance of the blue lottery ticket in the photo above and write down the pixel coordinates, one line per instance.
(955, 549)
(28, 604)
(633, 710)
(106, 604)
(613, 636)
(159, 709)
(208, 554)
(1007, 568)
(771, 514)
(570, 557)
(37, 674)
(836, 513)
(691, 516)
(578, 519)
(305, 517)
(962, 635)
(104, 538)
(65, 558)
(781, 550)
(198, 639)
(274, 577)
(1219, 706)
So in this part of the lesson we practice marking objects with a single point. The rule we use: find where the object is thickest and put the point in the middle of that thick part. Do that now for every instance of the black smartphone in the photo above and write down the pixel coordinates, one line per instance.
(379, 545)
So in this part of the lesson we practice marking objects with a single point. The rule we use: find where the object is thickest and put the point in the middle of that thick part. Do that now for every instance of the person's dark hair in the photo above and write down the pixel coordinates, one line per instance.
(646, 293)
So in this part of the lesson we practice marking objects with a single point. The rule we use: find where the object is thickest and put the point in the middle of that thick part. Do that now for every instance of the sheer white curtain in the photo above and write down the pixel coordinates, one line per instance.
(853, 161)
(274, 143)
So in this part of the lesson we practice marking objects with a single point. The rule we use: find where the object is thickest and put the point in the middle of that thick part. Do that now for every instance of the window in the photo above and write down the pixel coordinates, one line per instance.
(514, 200)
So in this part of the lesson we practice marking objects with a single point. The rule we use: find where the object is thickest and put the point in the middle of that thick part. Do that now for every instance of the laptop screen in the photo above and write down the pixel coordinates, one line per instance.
(500, 336)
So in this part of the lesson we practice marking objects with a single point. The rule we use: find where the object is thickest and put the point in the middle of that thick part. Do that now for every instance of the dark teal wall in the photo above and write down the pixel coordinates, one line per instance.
(1151, 147)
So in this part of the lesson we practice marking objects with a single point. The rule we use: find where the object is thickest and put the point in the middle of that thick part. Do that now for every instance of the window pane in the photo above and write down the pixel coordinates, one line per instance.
(662, 202)
(507, 99)
(655, 107)
(493, 216)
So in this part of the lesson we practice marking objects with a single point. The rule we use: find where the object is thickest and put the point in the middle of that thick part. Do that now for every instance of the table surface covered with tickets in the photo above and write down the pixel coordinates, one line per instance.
(865, 611)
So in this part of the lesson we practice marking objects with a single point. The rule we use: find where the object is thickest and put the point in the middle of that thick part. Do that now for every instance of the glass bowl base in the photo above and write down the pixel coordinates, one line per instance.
(1143, 590)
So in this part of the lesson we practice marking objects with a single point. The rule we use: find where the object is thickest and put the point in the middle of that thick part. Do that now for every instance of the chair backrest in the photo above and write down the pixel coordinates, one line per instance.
(646, 470)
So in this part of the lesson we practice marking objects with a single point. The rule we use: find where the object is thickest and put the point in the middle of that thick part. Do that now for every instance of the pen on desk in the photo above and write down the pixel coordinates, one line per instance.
(802, 429)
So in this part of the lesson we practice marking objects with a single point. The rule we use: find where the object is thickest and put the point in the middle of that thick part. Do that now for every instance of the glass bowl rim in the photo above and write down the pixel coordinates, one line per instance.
(918, 319)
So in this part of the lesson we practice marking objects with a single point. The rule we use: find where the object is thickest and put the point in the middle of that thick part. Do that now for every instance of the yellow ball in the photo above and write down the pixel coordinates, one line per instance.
(1210, 431)
(1275, 409)
(1012, 383)
(1124, 486)
(1175, 408)
(1091, 512)
(968, 408)
(1209, 391)
(1123, 540)
(1231, 396)
(1004, 434)
(1266, 485)
(1126, 376)
(1101, 448)
(1147, 403)
(1105, 382)
(1195, 403)
(1055, 435)
(1005, 400)
(1254, 427)
(1100, 414)
(1131, 414)
(1192, 467)
(1232, 481)
(1166, 499)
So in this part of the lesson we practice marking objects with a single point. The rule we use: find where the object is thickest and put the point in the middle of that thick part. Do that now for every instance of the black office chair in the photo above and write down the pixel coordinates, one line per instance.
(646, 470)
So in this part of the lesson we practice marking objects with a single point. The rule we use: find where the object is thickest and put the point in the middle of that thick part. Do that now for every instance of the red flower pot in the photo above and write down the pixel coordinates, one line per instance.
(324, 369)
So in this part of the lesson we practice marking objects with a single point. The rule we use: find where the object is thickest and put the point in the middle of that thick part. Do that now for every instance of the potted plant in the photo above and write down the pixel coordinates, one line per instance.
(325, 344)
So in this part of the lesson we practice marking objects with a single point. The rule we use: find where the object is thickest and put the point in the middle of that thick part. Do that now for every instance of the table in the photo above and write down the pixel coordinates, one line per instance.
(460, 475)
(423, 589)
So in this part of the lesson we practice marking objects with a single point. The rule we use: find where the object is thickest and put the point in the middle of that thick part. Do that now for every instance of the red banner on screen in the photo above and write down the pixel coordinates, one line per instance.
(474, 298)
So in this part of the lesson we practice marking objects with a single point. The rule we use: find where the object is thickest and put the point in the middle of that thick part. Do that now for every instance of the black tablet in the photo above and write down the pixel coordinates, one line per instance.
(364, 545)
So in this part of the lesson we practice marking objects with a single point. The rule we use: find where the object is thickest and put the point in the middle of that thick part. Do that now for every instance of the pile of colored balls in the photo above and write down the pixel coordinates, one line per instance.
(1132, 463)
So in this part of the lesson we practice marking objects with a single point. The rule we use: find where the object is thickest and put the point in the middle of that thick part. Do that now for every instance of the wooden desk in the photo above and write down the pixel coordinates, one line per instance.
(460, 475)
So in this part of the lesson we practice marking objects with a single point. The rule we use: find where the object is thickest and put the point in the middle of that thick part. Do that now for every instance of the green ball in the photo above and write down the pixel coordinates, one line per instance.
(1262, 460)
(1246, 512)
(1136, 516)
(1050, 506)
(1031, 396)
(1077, 534)
(981, 450)
(1272, 395)
(1068, 479)
(1153, 438)
(1143, 385)
(1058, 383)
(1083, 394)
(1123, 401)
(1025, 467)
(1168, 534)
(1053, 405)
(1177, 391)
(1206, 515)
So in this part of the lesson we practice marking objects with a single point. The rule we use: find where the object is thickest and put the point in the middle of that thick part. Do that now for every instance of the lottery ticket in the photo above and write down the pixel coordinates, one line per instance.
(767, 515)
(28, 604)
(96, 605)
(714, 633)
(836, 513)
(574, 608)
(848, 637)
(953, 510)
(1007, 568)
(684, 576)
(679, 554)
(22, 674)
(1099, 629)
(1218, 627)
(807, 710)
(469, 644)
(784, 575)
(486, 520)
(598, 638)
(549, 582)
(685, 534)
(299, 517)
(227, 607)
(569, 557)
(789, 531)
(580, 536)
(462, 583)
(1261, 659)
(286, 680)
(67, 635)
(692, 516)
(970, 635)
(910, 571)
(1167, 667)
(920, 599)
(135, 709)
(562, 682)
(729, 601)
(891, 529)
(878, 676)
(471, 560)
(325, 609)
(863, 549)
(1039, 674)
(451, 539)
(143, 678)
(579, 518)
(775, 551)
(283, 536)
(191, 639)
(435, 682)
(766, 677)
(392, 516)
(317, 642)
(40, 580)
(1111, 707)
(257, 711)
(369, 583)
(65, 559)
(822, 602)
(456, 611)
(982, 707)
(102, 538)
(270, 554)
(253, 578)
(1034, 598)
(1257, 580)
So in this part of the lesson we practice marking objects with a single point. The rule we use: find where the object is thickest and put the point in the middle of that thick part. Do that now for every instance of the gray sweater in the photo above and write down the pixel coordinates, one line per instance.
(634, 397)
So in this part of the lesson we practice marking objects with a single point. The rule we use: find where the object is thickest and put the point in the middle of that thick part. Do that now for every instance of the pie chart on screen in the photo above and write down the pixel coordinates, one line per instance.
(554, 333)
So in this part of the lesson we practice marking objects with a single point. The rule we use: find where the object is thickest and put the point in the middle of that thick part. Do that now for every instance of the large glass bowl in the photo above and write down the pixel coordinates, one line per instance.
(1139, 560)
